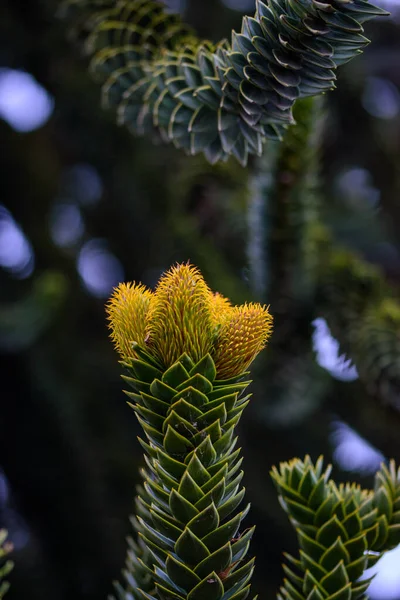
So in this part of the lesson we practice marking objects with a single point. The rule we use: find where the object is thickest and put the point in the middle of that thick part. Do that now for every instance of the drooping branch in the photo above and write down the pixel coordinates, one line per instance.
(218, 99)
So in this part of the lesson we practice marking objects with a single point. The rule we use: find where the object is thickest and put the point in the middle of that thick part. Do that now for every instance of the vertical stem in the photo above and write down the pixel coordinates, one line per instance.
(283, 210)
(258, 221)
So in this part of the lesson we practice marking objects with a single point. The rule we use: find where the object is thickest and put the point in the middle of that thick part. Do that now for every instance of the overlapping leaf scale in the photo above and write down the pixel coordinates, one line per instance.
(341, 529)
(138, 559)
(386, 499)
(364, 316)
(375, 341)
(189, 517)
(224, 99)
(5, 565)
(348, 287)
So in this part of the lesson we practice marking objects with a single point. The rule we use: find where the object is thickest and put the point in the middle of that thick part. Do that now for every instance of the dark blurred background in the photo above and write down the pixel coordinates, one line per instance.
(83, 206)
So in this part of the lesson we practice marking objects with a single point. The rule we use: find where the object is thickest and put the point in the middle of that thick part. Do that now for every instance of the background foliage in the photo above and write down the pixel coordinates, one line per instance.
(96, 205)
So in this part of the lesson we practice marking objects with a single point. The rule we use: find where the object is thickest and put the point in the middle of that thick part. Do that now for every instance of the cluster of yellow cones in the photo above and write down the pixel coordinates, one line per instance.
(182, 316)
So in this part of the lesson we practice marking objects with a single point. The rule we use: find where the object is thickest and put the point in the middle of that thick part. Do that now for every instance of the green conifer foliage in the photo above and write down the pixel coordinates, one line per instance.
(341, 529)
(138, 561)
(190, 544)
(218, 99)
(5, 565)
(363, 313)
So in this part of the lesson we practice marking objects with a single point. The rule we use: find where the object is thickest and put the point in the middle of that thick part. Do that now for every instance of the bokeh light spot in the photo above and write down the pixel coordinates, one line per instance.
(352, 452)
(386, 584)
(327, 353)
(240, 5)
(176, 5)
(355, 184)
(381, 98)
(82, 182)
(16, 253)
(99, 269)
(66, 225)
(24, 103)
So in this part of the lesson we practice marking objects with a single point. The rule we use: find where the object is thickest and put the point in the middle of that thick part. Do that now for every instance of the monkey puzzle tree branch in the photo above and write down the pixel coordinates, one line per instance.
(186, 351)
(224, 98)
(341, 529)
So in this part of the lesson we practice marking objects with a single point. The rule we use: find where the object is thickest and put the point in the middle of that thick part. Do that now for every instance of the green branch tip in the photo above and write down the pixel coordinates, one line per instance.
(341, 529)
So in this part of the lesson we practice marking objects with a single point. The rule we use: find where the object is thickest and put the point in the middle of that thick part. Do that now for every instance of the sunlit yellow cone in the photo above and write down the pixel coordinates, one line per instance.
(184, 316)
(127, 310)
(179, 319)
(243, 334)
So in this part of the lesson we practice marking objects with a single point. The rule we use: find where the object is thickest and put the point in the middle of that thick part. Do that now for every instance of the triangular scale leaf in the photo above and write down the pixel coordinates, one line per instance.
(181, 574)
(223, 534)
(189, 489)
(175, 443)
(190, 548)
(214, 495)
(336, 579)
(210, 588)
(182, 509)
(239, 576)
(204, 522)
(205, 367)
(217, 561)
(197, 471)
(161, 390)
(175, 375)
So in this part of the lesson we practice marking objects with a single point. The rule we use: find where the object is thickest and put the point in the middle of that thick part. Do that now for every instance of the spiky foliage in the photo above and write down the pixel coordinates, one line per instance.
(5, 565)
(387, 502)
(188, 380)
(364, 315)
(341, 530)
(377, 350)
(218, 99)
(138, 558)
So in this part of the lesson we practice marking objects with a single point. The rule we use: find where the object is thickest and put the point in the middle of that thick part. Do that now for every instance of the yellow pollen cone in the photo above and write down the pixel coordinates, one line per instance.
(220, 307)
(127, 310)
(183, 316)
(243, 334)
(179, 318)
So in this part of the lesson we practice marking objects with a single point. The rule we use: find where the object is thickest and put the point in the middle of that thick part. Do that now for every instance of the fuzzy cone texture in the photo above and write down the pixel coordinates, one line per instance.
(183, 316)
(224, 98)
(186, 351)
